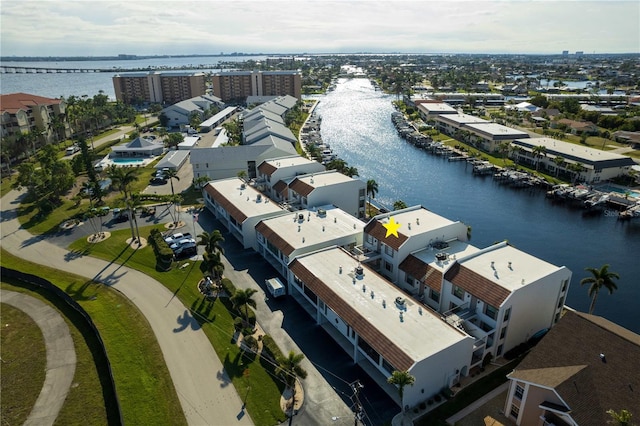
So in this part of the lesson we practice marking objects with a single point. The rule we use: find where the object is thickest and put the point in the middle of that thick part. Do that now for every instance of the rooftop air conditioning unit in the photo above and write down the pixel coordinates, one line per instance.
(401, 302)
(359, 271)
(243, 186)
(258, 198)
(322, 212)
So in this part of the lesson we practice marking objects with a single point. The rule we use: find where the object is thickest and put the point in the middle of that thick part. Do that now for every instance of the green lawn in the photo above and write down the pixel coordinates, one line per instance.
(23, 364)
(143, 383)
(263, 398)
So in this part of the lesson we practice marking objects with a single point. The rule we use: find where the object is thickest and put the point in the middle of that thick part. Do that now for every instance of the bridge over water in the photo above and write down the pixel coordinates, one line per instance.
(17, 69)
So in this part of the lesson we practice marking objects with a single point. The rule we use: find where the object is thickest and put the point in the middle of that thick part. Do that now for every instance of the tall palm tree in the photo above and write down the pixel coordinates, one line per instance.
(211, 241)
(504, 148)
(289, 368)
(600, 278)
(122, 178)
(372, 189)
(401, 379)
(558, 160)
(539, 152)
(399, 205)
(171, 174)
(242, 299)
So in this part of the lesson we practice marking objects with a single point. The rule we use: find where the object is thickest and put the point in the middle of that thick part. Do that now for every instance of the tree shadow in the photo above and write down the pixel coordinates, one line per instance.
(77, 291)
(185, 321)
(76, 254)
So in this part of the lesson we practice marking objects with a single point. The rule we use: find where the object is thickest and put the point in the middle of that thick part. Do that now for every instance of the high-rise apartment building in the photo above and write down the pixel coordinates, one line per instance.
(238, 85)
(158, 87)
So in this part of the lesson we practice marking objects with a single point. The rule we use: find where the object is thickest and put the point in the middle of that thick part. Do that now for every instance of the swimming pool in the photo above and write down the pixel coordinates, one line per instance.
(128, 161)
(619, 190)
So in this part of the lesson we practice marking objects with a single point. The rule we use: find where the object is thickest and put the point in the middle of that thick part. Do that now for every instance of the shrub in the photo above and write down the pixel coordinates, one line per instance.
(250, 342)
(270, 348)
(238, 323)
(228, 287)
(247, 331)
(423, 405)
(438, 398)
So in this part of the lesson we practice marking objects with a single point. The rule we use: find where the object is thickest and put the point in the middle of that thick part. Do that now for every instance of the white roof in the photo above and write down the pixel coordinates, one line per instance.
(456, 250)
(415, 220)
(316, 230)
(581, 153)
(495, 129)
(437, 108)
(523, 266)
(291, 161)
(419, 334)
(460, 119)
(330, 177)
(245, 199)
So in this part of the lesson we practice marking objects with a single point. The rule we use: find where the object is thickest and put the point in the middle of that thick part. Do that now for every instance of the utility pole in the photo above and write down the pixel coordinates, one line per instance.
(356, 387)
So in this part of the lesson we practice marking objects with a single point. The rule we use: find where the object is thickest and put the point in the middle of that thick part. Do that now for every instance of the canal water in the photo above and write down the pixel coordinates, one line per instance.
(356, 122)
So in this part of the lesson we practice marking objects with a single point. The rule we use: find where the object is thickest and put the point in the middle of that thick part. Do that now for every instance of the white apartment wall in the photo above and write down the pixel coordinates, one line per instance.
(440, 370)
(176, 116)
(226, 162)
(344, 196)
(534, 307)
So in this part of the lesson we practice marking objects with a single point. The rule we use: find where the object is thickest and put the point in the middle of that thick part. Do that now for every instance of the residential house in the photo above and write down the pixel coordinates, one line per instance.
(180, 113)
(330, 187)
(582, 368)
(576, 127)
(381, 329)
(283, 238)
(275, 174)
(239, 207)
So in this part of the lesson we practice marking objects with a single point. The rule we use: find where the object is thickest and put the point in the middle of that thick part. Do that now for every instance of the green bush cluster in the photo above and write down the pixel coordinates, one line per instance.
(164, 254)
(270, 349)
(228, 287)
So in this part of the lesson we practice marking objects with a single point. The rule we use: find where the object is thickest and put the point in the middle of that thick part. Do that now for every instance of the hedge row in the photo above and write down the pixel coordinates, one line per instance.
(164, 254)
(271, 349)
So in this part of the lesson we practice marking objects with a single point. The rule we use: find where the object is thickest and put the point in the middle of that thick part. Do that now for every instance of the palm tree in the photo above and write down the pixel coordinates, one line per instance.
(372, 189)
(401, 379)
(211, 241)
(242, 299)
(289, 368)
(620, 418)
(600, 278)
(504, 150)
(539, 152)
(171, 174)
(122, 178)
(399, 205)
(558, 160)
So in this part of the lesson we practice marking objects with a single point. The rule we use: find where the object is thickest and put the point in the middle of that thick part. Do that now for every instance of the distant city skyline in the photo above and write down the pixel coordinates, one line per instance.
(109, 28)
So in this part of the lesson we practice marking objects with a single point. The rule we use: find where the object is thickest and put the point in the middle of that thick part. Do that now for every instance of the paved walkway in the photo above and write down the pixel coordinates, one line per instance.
(477, 404)
(204, 390)
(61, 356)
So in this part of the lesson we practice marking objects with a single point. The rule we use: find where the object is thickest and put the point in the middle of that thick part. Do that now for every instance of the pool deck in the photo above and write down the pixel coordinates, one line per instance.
(127, 162)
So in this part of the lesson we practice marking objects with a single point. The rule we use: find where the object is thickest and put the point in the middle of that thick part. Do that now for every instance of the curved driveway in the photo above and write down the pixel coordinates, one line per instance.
(205, 391)
(61, 356)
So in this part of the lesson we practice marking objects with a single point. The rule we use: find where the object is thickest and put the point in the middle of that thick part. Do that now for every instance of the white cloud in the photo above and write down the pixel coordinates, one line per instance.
(57, 27)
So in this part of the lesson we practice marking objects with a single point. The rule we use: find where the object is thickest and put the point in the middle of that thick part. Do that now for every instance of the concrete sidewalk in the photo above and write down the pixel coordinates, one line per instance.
(61, 356)
(204, 390)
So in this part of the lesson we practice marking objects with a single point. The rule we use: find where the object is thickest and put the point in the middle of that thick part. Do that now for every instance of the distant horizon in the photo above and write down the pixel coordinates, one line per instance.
(80, 28)
(134, 56)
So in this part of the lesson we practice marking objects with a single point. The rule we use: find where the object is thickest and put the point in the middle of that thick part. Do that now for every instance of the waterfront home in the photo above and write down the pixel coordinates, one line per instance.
(275, 174)
(429, 109)
(419, 229)
(449, 124)
(502, 296)
(596, 165)
(583, 367)
(329, 187)
(489, 136)
(239, 207)
(283, 238)
(378, 326)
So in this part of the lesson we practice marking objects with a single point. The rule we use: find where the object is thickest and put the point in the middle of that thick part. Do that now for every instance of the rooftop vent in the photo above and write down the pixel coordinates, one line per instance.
(510, 265)
(401, 302)
(359, 271)
(441, 257)
(417, 221)
(243, 186)
(322, 212)
(301, 217)
(493, 265)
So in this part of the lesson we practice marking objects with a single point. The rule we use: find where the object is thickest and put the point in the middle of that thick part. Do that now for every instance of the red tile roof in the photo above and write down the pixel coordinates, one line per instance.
(376, 339)
(274, 238)
(233, 211)
(16, 101)
(479, 286)
(266, 168)
(379, 232)
(280, 187)
(422, 271)
(301, 187)
(568, 360)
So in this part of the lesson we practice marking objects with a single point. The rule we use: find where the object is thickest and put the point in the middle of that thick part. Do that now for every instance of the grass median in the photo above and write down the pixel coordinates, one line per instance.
(254, 379)
(144, 386)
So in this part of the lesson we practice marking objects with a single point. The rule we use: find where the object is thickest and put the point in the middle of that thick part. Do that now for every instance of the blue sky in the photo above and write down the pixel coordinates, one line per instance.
(68, 28)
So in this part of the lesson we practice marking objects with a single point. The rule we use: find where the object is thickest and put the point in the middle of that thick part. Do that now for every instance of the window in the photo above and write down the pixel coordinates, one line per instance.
(206, 165)
(434, 295)
(458, 292)
(409, 279)
(564, 285)
(515, 410)
(560, 302)
(369, 239)
(519, 392)
(507, 314)
(499, 351)
(387, 366)
(490, 311)
(503, 332)
(388, 250)
(388, 266)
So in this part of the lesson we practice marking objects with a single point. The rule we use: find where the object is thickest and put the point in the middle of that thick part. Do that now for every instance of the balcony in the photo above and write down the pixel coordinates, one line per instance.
(364, 255)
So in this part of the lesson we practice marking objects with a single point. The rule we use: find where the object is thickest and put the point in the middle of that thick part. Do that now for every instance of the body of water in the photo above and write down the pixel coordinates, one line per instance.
(55, 85)
(356, 122)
